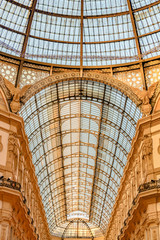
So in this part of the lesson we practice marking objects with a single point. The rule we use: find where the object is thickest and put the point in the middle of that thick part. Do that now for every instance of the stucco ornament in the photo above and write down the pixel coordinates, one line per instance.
(17, 94)
(13, 150)
(145, 97)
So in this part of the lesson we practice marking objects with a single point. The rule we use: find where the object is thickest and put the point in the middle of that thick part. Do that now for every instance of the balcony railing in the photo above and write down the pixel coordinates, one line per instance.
(4, 182)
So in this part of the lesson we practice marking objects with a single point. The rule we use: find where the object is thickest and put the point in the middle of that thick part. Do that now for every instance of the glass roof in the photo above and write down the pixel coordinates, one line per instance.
(77, 229)
(79, 133)
(80, 32)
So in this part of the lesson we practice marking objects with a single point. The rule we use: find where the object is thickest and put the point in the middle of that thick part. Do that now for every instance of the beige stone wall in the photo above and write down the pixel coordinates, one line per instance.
(22, 215)
(136, 213)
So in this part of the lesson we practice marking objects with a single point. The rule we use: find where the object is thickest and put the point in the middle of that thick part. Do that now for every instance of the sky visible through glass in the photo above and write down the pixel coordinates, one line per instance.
(111, 32)
(79, 134)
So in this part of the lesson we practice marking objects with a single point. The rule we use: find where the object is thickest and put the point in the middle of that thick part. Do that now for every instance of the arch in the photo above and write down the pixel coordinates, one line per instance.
(64, 235)
(106, 79)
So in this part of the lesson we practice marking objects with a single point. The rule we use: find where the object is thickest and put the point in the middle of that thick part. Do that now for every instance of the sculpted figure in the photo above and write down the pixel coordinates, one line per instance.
(145, 97)
(147, 148)
(17, 94)
(13, 150)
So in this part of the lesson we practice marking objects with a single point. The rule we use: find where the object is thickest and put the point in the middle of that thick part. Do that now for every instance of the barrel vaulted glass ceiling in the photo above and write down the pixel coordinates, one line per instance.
(80, 133)
(80, 32)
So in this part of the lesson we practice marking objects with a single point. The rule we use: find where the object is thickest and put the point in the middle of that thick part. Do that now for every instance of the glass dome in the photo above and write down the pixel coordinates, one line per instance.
(80, 32)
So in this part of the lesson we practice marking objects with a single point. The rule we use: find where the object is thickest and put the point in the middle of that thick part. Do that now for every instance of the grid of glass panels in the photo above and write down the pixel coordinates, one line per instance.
(55, 31)
(67, 7)
(103, 7)
(14, 17)
(79, 134)
(55, 28)
(148, 20)
(77, 229)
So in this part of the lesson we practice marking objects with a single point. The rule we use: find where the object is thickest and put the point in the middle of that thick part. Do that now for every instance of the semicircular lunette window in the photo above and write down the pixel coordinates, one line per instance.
(77, 229)
(79, 133)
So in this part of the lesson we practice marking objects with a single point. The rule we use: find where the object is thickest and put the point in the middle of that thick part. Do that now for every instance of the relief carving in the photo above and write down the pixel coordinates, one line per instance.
(145, 97)
(17, 94)
(1, 145)
(13, 151)
(147, 148)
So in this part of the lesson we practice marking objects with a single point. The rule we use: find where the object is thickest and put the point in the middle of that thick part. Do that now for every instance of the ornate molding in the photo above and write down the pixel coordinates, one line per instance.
(75, 75)
(72, 75)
